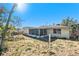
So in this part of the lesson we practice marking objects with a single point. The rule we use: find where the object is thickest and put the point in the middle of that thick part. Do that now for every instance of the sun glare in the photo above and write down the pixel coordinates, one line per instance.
(21, 7)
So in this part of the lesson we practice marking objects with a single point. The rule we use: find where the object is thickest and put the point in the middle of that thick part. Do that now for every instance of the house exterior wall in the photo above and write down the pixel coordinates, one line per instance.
(64, 33)
(49, 31)
(34, 31)
(25, 31)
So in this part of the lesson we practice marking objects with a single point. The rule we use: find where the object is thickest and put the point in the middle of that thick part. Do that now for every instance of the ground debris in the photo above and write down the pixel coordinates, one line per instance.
(32, 47)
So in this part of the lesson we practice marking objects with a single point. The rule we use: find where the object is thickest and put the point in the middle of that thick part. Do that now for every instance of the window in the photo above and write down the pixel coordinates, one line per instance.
(43, 32)
(57, 31)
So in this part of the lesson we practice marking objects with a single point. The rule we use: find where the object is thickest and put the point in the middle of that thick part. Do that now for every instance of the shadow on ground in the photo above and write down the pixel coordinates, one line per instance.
(46, 38)
(43, 38)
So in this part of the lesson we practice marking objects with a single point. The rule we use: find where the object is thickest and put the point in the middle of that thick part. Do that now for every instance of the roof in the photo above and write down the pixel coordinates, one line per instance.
(48, 27)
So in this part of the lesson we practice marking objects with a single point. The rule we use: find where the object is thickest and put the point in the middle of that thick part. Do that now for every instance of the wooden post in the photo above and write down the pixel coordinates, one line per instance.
(49, 43)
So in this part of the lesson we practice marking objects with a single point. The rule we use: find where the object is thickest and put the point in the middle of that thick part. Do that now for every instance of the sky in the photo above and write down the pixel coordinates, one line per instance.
(37, 14)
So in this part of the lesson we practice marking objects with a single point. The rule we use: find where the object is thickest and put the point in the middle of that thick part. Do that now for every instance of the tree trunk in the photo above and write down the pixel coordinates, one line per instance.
(6, 28)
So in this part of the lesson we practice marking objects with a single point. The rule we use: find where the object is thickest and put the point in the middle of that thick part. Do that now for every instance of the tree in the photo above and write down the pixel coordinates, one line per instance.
(72, 24)
(69, 21)
(8, 21)
(1, 25)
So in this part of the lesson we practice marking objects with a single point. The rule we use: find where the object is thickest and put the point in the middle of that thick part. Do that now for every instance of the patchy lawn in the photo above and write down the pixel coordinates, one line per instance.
(31, 47)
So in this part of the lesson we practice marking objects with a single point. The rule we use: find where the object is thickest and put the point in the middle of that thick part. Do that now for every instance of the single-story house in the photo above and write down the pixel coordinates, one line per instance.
(55, 31)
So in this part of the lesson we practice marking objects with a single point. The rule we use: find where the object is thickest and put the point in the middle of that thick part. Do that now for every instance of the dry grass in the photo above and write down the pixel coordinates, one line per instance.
(31, 47)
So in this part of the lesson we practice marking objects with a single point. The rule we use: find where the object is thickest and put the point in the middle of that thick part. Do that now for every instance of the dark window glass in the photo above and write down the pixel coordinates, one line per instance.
(57, 31)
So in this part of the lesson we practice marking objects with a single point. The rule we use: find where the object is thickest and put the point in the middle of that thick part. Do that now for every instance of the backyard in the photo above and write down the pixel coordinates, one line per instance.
(17, 19)
(27, 46)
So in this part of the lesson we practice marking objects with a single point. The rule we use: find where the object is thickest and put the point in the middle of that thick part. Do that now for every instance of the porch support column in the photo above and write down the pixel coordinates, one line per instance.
(39, 32)
(43, 31)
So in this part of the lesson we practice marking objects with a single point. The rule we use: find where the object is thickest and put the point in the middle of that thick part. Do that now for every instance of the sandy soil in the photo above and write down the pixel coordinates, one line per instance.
(27, 46)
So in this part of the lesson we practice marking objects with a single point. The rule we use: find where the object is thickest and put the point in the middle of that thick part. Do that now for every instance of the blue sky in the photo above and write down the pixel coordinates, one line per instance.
(38, 14)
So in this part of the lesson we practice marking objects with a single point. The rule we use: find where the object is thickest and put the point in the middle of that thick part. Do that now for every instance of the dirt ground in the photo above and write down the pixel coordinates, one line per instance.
(27, 46)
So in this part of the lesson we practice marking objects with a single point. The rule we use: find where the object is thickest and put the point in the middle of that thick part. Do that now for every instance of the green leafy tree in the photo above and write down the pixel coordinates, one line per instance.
(71, 23)
(6, 22)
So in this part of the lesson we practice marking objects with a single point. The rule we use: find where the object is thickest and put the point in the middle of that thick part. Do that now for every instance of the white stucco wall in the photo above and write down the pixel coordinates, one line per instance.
(65, 33)
(50, 31)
